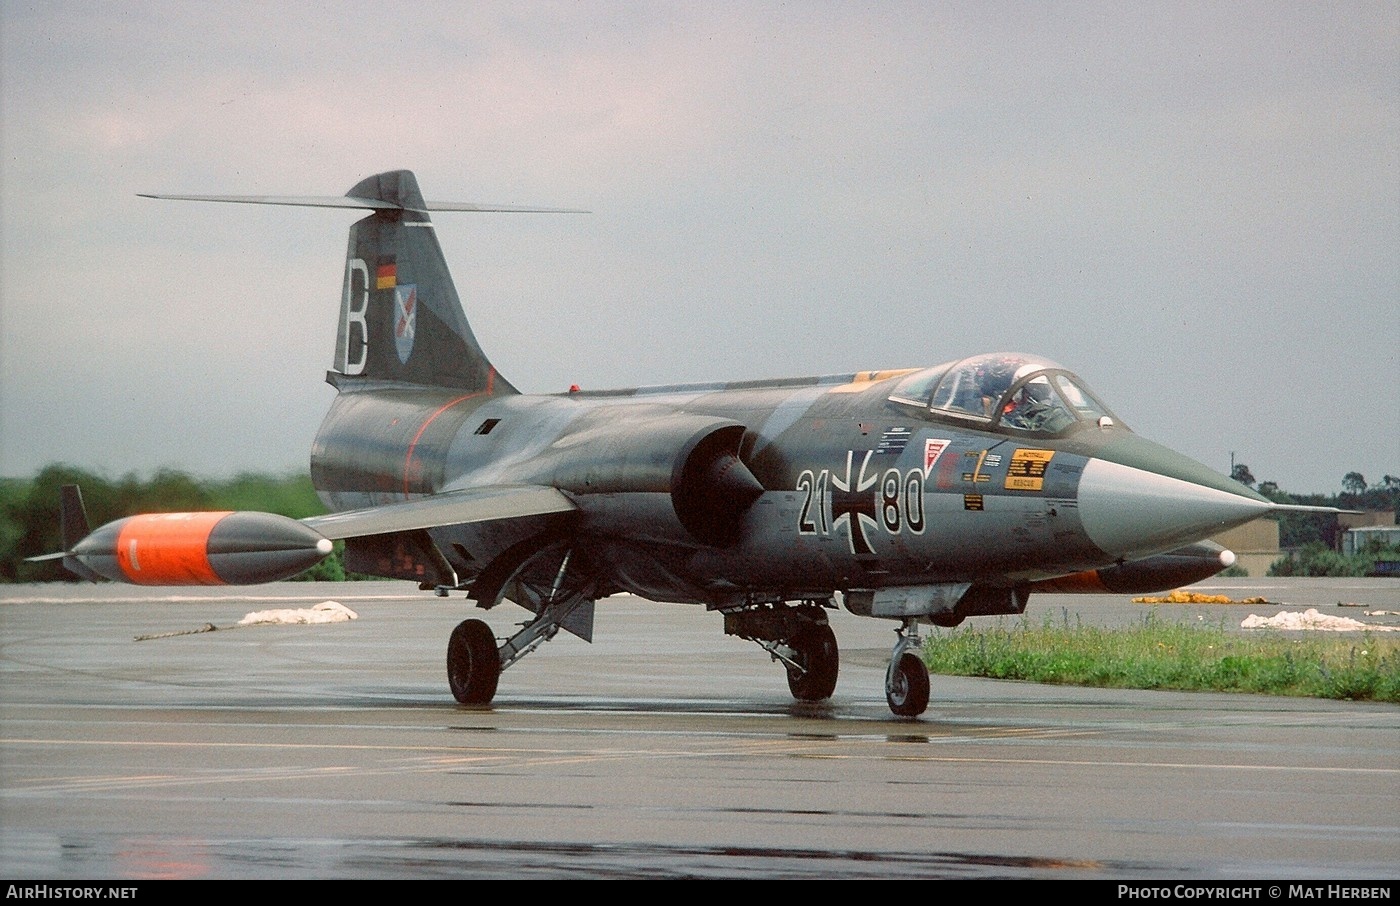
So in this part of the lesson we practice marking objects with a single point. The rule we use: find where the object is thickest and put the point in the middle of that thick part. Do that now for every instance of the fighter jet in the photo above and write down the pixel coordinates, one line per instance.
(918, 496)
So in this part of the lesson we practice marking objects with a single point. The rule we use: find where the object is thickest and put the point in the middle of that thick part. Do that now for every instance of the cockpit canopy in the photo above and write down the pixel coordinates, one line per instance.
(1004, 390)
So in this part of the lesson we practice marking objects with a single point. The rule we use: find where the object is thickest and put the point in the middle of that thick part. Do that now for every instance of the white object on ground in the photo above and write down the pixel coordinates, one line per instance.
(1311, 619)
(325, 612)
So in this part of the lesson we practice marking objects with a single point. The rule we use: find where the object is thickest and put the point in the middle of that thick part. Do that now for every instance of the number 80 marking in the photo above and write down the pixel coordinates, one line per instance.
(910, 493)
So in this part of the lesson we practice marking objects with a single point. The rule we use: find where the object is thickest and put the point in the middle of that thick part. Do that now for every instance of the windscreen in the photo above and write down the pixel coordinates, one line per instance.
(1015, 391)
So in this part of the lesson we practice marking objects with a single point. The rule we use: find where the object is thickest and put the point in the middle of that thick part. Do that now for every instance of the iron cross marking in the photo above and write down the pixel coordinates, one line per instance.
(855, 504)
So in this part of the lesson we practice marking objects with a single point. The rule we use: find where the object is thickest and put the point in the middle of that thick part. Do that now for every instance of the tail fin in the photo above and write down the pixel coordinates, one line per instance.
(400, 317)
(72, 515)
(73, 523)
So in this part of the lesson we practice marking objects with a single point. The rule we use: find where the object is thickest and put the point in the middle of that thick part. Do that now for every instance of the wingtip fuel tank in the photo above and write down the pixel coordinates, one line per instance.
(211, 548)
(1174, 569)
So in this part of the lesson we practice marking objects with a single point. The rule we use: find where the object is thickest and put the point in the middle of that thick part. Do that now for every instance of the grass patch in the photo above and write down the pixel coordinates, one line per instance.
(1160, 654)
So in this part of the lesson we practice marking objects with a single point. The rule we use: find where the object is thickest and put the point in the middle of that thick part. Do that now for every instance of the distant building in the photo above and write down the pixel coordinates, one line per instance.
(1354, 541)
(1367, 519)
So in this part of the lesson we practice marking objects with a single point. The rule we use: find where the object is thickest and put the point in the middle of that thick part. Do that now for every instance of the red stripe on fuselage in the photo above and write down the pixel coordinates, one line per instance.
(413, 445)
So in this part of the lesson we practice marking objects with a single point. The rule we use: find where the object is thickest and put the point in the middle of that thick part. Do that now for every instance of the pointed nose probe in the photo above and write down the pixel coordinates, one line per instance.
(1130, 512)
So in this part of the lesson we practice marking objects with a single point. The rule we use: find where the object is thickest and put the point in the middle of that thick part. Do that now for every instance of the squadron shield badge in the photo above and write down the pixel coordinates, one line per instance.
(405, 319)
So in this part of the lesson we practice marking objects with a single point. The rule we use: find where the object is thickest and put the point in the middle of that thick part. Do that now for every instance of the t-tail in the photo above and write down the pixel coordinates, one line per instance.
(401, 320)
(400, 317)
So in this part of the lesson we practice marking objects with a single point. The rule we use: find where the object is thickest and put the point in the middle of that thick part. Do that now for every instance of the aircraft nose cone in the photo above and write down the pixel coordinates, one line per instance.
(1130, 512)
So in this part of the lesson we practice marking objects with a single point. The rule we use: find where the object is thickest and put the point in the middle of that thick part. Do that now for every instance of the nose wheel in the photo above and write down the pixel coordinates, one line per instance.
(906, 681)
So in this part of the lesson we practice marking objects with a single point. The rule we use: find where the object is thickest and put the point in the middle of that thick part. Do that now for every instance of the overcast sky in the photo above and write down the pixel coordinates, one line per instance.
(1194, 206)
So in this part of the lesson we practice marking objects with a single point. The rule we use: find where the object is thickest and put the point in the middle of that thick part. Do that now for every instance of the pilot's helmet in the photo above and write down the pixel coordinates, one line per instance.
(1038, 390)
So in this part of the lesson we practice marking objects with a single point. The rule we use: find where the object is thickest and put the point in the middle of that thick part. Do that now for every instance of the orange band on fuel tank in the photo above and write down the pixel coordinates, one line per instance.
(168, 549)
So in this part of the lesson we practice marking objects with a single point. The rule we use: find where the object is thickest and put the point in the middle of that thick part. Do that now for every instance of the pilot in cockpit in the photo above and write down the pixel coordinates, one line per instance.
(1027, 407)
(1033, 407)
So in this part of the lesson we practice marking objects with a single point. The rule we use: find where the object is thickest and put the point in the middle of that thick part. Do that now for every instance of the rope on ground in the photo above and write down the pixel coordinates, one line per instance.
(207, 627)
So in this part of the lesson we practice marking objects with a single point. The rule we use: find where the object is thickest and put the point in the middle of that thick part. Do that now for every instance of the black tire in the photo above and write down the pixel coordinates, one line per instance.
(473, 663)
(820, 659)
(907, 688)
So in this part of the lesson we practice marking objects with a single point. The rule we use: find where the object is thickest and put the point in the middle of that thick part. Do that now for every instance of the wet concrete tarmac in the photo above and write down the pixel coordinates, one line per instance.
(663, 750)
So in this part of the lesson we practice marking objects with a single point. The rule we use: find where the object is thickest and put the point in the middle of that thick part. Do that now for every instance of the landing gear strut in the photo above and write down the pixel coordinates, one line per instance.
(906, 681)
(475, 662)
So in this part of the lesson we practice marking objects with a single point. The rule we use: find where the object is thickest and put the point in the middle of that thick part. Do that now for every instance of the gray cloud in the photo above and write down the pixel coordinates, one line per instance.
(1196, 207)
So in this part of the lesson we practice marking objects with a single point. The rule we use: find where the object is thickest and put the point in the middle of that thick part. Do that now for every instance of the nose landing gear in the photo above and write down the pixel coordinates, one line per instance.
(906, 681)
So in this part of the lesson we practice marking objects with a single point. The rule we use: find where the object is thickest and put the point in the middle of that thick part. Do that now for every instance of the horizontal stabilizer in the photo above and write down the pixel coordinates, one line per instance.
(449, 508)
(373, 204)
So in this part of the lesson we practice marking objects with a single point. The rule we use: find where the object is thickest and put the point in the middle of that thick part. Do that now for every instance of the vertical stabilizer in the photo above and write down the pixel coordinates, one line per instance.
(72, 516)
(73, 523)
(400, 317)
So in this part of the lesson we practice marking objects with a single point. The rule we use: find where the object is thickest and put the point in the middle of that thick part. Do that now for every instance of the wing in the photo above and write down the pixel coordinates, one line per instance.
(449, 508)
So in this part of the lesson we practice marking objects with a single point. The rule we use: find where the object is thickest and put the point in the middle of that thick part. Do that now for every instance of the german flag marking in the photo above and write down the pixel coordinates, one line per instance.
(386, 276)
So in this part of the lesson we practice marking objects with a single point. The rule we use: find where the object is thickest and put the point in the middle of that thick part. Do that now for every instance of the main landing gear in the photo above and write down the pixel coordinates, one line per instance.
(813, 664)
(800, 637)
(473, 663)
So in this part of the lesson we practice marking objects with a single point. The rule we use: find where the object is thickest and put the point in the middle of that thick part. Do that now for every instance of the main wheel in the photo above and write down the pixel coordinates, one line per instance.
(820, 661)
(473, 663)
(906, 688)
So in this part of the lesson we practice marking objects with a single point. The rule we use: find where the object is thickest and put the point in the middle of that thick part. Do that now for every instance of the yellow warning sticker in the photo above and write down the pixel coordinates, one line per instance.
(1027, 470)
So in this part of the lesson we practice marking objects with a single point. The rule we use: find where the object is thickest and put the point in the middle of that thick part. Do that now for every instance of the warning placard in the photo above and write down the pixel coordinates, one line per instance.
(1027, 470)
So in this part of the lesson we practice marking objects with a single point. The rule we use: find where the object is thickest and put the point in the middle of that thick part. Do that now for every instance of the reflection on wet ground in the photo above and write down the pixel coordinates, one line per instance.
(663, 750)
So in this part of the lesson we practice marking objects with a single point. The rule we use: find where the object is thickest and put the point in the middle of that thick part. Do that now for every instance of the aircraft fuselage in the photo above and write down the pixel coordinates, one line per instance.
(857, 492)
